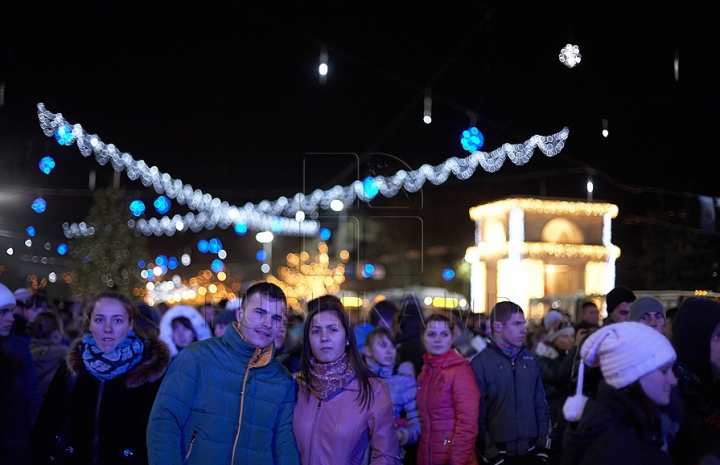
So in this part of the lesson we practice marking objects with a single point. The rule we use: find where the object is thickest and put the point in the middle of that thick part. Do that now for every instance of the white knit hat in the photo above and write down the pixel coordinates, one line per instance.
(6, 297)
(557, 324)
(625, 353)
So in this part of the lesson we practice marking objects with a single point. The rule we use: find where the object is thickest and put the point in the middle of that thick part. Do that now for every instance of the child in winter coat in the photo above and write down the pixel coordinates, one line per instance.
(379, 350)
(448, 399)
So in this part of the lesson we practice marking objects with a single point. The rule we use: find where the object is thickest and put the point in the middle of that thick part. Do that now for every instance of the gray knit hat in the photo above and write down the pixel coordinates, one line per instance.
(645, 304)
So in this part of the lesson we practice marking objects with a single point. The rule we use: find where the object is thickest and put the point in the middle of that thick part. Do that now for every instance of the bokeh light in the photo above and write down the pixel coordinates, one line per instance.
(137, 207)
(162, 204)
(39, 205)
(47, 164)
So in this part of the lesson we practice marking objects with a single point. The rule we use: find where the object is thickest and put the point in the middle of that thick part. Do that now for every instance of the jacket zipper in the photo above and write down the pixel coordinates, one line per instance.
(316, 415)
(96, 433)
(192, 443)
(242, 403)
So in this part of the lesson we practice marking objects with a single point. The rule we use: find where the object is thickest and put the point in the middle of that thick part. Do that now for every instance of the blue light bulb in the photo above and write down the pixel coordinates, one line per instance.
(137, 207)
(162, 204)
(325, 234)
(240, 229)
(370, 187)
(47, 164)
(203, 246)
(63, 134)
(39, 205)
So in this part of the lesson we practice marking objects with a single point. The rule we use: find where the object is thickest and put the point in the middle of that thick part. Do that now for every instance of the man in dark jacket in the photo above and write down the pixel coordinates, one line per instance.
(228, 400)
(514, 422)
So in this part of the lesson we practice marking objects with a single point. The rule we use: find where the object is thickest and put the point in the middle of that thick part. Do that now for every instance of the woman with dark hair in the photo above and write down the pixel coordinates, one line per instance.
(46, 348)
(408, 327)
(98, 404)
(342, 406)
(624, 423)
(448, 399)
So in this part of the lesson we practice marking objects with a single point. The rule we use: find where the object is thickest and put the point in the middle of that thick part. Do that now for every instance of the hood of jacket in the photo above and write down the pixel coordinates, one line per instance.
(196, 320)
(448, 359)
(154, 363)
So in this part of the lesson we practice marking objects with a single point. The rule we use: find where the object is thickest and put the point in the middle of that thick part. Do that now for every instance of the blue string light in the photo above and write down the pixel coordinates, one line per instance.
(172, 263)
(63, 134)
(240, 229)
(30, 231)
(62, 249)
(261, 255)
(325, 234)
(203, 246)
(162, 204)
(161, 260)
(368, 270)
(472, 139)
(39, 205)
(214, 246)
(448, 274)
(370, 187)
(141, 263)
(217, 265)
(137, 207)
(47, 164)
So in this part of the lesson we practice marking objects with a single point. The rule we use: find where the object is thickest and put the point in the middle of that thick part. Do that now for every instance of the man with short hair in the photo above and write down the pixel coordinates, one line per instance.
(618, 303)
(514, 422)
(590, 313)
(228, 400)
(649, 311)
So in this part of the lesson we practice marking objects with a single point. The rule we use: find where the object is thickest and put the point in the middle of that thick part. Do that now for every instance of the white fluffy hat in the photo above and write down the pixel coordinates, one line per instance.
(557, 324)
(6, 297)
(625, 353)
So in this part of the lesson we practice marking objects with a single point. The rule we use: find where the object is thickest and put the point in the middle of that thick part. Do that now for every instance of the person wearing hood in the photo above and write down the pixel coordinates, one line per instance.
(625, 422)
(180, 326)
(556, 369)
(46, 348)
(18, 347)
(696, 339)
(98, 404)
(448, 399)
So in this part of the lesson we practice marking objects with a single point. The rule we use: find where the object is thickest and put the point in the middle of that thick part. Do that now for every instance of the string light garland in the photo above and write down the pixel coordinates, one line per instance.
(266, 215)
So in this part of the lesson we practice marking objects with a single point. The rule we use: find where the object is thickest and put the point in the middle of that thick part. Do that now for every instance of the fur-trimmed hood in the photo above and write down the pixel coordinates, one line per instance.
(197, 321)
(154, 363)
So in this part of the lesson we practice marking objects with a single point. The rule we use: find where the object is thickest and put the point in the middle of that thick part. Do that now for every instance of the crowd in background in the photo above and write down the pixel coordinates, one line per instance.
(81, 382)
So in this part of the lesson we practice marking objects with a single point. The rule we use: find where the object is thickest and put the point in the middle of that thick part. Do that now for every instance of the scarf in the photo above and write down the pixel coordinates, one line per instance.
(327, 378)
(107, 365)
(509, 350)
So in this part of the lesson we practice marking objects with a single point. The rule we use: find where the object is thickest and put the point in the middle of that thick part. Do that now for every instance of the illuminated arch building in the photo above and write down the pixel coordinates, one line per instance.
(534, 250)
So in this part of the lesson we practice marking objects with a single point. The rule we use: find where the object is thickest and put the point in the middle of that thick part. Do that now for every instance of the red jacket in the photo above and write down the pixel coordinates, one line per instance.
(448, 399)
(338, 430)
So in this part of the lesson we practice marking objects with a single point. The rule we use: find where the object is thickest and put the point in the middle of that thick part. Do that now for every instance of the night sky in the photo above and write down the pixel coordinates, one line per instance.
(225, 96)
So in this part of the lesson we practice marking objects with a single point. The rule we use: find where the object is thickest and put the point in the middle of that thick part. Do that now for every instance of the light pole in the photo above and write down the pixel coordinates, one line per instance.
(266, 238)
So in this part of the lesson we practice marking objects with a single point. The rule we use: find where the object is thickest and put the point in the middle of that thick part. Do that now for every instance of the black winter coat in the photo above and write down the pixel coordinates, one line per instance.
(106, 419)
(613, 429)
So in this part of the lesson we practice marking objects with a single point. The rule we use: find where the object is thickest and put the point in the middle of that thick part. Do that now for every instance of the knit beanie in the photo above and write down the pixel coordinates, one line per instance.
(6, 297)
(692, 327)
(645, 304)
(556, 325)
(625, 353)
(617, 296)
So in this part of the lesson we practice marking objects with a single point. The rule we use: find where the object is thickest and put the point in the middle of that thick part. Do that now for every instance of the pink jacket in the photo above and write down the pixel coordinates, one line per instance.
(448, 399)
(338, 431)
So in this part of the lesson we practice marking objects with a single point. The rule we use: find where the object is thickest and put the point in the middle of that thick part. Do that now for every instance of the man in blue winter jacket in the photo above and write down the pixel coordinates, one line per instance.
(514, 421)
(227, 399)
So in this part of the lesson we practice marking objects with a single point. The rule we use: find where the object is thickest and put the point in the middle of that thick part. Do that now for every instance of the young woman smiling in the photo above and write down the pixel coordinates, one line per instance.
(99, 402)
(343, 409)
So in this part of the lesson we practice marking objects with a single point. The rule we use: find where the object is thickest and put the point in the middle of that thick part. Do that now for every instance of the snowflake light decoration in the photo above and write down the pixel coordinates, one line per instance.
(570, 55)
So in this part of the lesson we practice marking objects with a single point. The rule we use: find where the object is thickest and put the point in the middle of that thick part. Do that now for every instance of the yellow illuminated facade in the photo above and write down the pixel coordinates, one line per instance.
(530, 250)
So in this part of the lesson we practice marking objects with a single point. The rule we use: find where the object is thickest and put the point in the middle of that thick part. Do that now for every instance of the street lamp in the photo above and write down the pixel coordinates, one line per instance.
(266, 238)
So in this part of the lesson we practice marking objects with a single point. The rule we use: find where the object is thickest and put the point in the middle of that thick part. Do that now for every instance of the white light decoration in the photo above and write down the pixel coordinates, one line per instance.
(605, 131)
(323, 67)
(570, 55)
(427, 107)
(52, 277)
(266, 214)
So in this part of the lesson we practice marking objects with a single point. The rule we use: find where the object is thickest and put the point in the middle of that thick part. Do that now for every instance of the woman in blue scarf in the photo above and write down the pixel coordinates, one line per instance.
(99, 402)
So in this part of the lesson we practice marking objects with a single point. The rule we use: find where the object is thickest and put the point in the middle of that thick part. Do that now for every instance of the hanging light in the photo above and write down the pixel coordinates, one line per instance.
(605, 128)
(570, 55)
(323, 68)
(427, 103)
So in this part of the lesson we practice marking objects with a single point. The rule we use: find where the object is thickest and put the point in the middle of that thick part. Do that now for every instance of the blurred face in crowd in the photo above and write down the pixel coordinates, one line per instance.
(658, 383)
(715, 346)
(327, 337)
(182, 335)
(621, 313)
(32, 312)
(109, 323)
(382, 351)
(437, 338)
(6, 319)
(564, 342)
(591, 314)
(512, 331)
(280, 336)
(582, 333)
(261, 319)
(655, 320)
(219, 329)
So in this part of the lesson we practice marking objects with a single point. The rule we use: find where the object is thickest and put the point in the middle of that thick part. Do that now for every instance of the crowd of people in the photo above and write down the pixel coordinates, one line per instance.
(121, 382)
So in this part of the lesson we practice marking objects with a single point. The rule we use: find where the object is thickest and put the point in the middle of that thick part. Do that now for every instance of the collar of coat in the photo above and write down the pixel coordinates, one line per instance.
(257, 356)
(154, 363)
(449, 358)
